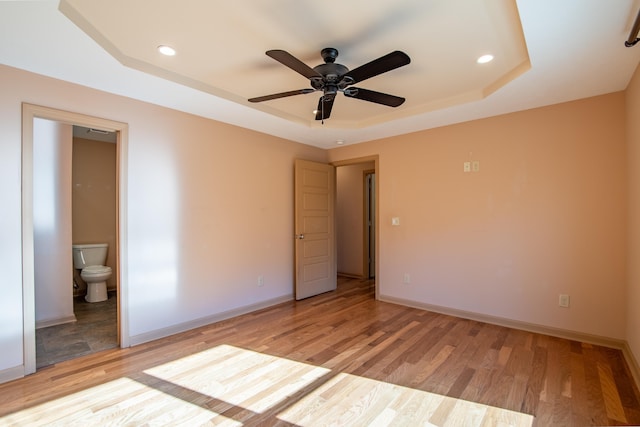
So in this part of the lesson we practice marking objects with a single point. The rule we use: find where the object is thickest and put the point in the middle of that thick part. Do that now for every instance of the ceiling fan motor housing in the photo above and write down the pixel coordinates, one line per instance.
(330, 72)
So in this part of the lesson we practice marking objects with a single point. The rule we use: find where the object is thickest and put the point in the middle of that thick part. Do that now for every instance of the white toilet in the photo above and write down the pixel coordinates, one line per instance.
(91, 259)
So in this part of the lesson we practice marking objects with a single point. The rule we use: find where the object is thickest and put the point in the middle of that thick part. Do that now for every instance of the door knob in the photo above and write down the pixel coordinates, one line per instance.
(299, 236)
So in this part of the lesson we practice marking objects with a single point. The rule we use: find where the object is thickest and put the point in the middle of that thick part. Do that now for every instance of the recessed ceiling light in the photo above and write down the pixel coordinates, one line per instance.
(166, 50)
(484, 59)
(340, 142)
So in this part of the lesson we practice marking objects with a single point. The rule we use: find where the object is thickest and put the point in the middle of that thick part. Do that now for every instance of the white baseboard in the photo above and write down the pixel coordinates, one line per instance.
(621, 345)
(351, 276)
(515, 324)
(632, 363)
(11, 374)
(203, 321)
(53, 322)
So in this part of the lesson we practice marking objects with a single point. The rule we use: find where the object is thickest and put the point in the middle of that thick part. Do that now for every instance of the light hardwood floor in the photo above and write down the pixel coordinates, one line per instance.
(340, 358)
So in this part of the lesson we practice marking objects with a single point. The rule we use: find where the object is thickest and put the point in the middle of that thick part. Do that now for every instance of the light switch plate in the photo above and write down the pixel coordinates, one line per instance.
(395, 221)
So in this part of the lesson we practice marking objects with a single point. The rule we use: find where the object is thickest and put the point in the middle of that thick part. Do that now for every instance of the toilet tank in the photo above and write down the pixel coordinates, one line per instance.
(91, 254)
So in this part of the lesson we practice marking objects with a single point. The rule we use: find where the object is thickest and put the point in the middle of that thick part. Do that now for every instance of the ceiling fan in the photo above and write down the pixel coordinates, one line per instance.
(331, 78)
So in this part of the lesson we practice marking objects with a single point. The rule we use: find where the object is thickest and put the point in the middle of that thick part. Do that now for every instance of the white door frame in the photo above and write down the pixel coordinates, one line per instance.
(29, 112)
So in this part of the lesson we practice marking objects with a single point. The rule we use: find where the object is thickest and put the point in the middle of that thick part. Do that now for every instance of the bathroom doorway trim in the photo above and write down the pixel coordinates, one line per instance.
(29, 113)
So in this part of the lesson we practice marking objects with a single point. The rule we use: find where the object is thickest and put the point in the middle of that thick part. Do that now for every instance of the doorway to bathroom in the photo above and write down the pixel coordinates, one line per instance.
(58, 323)
(65, 331)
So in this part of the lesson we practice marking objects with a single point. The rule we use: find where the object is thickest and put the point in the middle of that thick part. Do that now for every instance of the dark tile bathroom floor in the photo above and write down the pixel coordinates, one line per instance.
(94, 330)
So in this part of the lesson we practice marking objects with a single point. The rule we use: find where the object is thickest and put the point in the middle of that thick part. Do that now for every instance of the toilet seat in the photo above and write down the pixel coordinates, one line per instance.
(95, 270)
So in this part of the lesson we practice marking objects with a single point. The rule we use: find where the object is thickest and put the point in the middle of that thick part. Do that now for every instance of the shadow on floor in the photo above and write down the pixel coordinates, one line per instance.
(94, 330)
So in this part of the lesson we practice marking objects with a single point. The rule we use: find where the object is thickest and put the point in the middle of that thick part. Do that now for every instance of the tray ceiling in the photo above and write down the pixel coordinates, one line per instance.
(546, 52)
(221, 48)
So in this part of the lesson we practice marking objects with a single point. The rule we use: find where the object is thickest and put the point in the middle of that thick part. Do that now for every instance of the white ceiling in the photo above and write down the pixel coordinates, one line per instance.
(547, 51)
(221, 48)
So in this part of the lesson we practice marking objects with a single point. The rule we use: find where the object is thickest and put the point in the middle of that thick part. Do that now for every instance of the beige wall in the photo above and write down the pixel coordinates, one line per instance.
(94, 197)
(545, 215)
(350, 216)
(633, 141)
(209, 209)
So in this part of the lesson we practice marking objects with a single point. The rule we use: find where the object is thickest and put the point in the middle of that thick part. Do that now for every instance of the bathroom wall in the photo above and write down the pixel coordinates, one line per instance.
(349, 218)
(94, 197)
(52, 222)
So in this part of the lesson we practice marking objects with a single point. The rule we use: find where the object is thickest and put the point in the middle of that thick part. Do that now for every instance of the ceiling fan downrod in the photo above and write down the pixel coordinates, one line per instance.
(633, 35)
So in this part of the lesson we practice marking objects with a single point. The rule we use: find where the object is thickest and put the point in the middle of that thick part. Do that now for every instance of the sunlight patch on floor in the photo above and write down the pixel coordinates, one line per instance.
(352, 400)
(231, 386)
(254, 381)
(118, 402)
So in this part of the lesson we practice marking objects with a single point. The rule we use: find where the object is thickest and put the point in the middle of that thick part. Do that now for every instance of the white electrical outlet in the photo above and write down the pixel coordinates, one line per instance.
(406, 279)
(563, 300)
(260, 281)
(467, 166)
(475, 166)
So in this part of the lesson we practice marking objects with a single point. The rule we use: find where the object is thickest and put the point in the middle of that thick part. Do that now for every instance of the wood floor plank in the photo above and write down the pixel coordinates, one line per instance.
(597, 413)
(536, 380)
(426, 367)
(341, 358)
(579, 396)
(461, 383)
(612, 402)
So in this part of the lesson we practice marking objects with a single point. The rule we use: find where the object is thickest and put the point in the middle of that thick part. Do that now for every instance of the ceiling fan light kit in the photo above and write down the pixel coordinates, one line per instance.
(331, 78)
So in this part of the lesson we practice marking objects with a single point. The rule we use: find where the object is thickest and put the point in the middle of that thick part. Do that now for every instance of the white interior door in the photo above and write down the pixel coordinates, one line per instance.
(315, 236)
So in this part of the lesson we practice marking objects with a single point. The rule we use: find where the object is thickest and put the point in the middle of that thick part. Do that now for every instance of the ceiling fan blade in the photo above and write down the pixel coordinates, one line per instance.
(373, 96)
(281, 95)
(285, 58)
(389, 62)
(325, 104)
